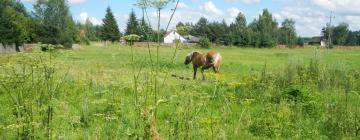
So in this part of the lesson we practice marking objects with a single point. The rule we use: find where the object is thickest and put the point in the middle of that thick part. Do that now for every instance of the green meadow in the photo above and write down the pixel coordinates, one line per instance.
(122, 92)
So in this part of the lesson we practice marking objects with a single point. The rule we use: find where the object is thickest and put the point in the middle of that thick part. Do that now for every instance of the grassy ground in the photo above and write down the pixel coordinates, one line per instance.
(112, 93)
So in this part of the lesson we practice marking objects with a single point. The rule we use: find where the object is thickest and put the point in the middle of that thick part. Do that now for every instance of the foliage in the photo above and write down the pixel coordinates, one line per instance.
(300, 41)
(49, 47)
(146, 31)
(132, 26)
(201, 28)
(183, 29)
(204, 42)
(296, 95)
(110, 30)
(287, 33)
(13, 23)
(239, 32)
(55, 23)
(339, 33)
(159, 4)
(267, 28)
(262, 32)
(132, 38)
(90, 31)
(353, 38)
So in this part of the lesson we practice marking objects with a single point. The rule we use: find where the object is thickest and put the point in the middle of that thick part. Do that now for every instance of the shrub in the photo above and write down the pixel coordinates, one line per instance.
(204, 42)
(85, 40)
(50, 47)
(131, 39)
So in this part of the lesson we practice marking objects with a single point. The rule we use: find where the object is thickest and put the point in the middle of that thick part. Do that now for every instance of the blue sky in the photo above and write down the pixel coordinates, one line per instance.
(310, 15)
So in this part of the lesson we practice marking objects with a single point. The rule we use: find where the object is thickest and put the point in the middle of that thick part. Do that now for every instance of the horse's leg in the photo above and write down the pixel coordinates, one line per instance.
(195, 70)
(202, 72)
(214, 69)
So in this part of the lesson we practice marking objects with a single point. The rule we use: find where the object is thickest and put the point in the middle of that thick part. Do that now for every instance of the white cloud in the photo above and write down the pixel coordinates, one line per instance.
(246, 1)
(182, 5)
(77, 1)
(233, 12)
(312, 15)
(70, 1)
(308, 22)
(211, 8)
(342, 6)
(84, 16)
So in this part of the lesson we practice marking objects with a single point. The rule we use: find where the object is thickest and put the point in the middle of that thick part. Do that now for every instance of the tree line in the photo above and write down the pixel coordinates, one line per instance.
(341, 35)
(261, 32)
(52, 23)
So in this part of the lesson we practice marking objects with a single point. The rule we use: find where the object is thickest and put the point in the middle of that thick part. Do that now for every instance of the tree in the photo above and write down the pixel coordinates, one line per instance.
(300, 41)
(201, 28)
(267, 28)
(218, 32)
(12, 23)
(353, 38)
(339, 33)
(146, 31)
(110, 30)
(183, 29)
(132, 25)
(287, 33)
(56, 25)
(254, 34)
(204, 42)
(238, 31)
(90, 31)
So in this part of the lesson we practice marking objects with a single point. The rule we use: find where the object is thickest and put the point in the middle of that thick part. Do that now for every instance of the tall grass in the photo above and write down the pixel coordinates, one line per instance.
(304, 100)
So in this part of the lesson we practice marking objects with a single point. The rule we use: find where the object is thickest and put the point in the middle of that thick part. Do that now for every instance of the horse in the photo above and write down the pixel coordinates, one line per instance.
(211, 60)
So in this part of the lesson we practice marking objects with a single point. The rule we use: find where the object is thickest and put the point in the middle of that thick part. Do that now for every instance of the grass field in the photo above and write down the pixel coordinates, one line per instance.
(114, 92)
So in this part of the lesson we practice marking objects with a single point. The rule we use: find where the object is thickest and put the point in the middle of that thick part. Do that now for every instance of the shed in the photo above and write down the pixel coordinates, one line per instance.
(317, 40)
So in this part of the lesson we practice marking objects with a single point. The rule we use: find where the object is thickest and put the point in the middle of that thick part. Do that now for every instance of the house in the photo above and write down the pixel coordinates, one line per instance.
(318, 40)
(172, 37)
(191, 39)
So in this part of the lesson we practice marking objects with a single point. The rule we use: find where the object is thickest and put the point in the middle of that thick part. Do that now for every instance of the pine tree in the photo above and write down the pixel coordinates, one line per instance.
(132, 25)
(145, 31)
(110, 30)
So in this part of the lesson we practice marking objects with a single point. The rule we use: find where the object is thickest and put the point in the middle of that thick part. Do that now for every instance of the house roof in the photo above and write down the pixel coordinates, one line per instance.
(192, 38)
(169, 32)
(316, 39)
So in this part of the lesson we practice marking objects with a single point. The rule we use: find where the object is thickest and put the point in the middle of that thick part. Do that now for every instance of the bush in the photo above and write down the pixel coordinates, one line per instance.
(204, 42)
(85, 40)
(131, 39)
(50, 47)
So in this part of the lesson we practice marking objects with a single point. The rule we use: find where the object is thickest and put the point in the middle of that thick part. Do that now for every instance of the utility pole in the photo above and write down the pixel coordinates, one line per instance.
(329, 37)
(329, 45)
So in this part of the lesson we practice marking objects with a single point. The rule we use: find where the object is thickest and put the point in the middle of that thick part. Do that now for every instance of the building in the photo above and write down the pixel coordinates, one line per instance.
(172, 37)
(320, 41)
(191, 39)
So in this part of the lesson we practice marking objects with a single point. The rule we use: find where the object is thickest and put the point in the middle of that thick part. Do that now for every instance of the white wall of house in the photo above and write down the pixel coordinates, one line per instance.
(323, 43)
(172, 37)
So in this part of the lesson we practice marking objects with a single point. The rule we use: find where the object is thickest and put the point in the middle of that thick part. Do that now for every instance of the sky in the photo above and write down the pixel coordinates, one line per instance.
(310, 15)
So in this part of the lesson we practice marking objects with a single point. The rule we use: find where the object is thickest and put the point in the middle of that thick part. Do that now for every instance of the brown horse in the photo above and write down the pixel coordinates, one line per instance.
(211, 60)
